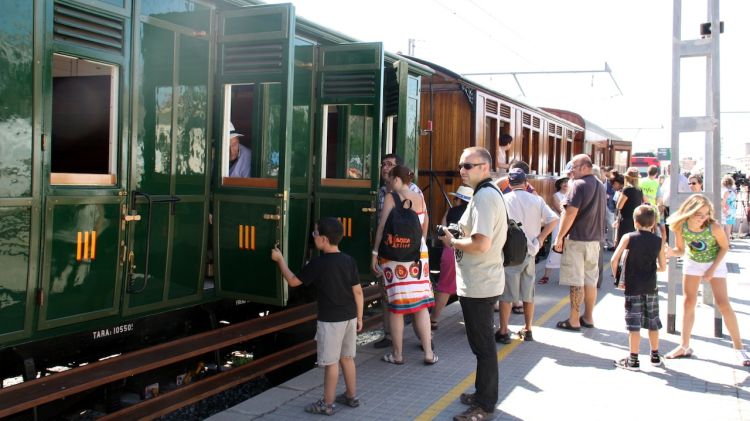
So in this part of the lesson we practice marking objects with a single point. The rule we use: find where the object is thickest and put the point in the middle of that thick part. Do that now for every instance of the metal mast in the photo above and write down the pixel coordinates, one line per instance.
(708, 47)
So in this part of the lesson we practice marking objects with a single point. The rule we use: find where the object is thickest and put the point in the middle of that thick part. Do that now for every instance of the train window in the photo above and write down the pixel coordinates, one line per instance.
(251, 134)
(84, 125)
(347, 144)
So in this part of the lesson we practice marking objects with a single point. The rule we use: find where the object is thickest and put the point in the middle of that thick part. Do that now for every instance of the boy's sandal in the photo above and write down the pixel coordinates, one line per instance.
(517, 309)
(432, 361)
(390, 358)
(345, 400)
(679, 352)
(320, 407)
(543, 280)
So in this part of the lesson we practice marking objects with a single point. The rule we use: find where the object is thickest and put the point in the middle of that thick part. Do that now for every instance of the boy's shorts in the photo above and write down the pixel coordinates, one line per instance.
(642, 311)
(336, 340)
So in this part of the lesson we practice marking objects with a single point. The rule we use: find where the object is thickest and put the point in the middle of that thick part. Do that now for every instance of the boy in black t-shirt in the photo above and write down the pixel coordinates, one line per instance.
(340, 306)
(645, 257)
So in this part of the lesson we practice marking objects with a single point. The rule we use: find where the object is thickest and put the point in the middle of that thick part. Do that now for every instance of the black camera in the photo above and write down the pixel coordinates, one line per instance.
(452, 228)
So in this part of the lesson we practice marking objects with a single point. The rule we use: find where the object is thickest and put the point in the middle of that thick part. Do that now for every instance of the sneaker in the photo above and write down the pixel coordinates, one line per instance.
(345, 400)
(526, 335)
(502, 338)
(628, 364)
(383, 343)
(474, 413)
(320, 407)
(657, 360)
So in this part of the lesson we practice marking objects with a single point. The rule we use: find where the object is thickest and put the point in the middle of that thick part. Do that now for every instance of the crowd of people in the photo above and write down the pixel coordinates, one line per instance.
(593, 208)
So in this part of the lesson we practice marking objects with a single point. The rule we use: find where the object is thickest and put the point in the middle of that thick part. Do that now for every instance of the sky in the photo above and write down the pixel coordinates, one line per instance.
(633, 37)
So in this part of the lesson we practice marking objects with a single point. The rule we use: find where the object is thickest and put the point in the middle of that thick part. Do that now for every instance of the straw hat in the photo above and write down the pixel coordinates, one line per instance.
(464, 193)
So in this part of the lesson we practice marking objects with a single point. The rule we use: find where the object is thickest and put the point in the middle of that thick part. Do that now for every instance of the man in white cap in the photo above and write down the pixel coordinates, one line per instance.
(239, 155)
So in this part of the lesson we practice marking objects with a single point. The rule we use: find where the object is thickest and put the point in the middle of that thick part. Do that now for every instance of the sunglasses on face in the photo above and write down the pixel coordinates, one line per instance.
(468, 165)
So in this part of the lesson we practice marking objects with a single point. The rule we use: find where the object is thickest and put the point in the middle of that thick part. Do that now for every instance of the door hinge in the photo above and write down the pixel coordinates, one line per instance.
(39, 297)
(44, 142)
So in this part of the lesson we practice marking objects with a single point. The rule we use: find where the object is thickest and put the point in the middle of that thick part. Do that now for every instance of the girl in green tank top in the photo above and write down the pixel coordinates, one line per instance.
(699, 235)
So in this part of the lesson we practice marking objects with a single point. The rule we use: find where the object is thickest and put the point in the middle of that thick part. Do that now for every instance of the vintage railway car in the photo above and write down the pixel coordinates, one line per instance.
(605, 148)
(115, 155)
(464, 113)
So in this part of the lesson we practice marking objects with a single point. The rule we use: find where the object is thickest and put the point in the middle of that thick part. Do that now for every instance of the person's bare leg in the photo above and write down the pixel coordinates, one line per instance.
(350, 376)
(589, 302)
(397, 335)
(528, 314)
(329, 383)
(441, 300)
(634, 341)
(422, 321)
(653, 340)
(721, 298)
(504, 316)
(690, 292)
(576, 298)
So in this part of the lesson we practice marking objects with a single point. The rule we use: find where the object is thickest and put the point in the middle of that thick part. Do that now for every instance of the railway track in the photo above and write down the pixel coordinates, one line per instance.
(34, 393)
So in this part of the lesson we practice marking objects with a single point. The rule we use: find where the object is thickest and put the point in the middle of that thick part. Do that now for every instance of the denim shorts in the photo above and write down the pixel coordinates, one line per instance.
(642, 311)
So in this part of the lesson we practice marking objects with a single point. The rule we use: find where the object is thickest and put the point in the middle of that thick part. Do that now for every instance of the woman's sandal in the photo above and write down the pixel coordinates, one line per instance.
(434, 325)
(432, 361)
(679, 352)
(743, 357)
(543, 280)
(390, 358)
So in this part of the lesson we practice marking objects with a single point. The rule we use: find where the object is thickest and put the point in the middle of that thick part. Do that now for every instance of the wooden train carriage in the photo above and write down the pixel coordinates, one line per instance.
(114, 153)
(605, 148)
(463, 114)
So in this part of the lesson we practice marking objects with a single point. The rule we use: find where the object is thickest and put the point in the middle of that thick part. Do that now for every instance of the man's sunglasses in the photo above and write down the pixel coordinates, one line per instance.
(468, 165)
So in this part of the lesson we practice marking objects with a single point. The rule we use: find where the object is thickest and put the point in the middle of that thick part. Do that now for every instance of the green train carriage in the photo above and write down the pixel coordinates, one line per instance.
(114, 149)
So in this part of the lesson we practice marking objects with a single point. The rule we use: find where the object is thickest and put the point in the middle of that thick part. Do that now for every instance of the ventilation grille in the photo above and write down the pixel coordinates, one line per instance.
(569, 134)
(255, 58)
(551, 128)
(526, 119)
(390, 97)
(87, 29)
(504, 111)
(537, 123)
(559, 131)
(348, 84)
(491, 107)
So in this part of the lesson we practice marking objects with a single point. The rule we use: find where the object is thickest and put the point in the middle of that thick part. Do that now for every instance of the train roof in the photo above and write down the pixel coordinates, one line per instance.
(462, 79)
(328, 34)
(592, 130)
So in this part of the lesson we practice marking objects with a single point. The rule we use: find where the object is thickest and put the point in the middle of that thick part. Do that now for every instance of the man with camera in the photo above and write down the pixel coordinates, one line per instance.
(479, 275)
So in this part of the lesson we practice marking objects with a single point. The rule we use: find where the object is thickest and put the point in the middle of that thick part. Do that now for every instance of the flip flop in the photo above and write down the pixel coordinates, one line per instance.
(584, 323)
(432, 361)
(565, 325)
(679, 352)
(543, 280)
(389, 358)
(517, 309)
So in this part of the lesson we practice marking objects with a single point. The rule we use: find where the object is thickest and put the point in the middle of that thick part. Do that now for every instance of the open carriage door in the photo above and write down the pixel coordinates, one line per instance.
(253, 138)
(348, 142)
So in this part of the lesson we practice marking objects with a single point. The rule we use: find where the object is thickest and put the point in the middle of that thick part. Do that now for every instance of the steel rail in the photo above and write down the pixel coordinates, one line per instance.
(202, 389)
(37, 392)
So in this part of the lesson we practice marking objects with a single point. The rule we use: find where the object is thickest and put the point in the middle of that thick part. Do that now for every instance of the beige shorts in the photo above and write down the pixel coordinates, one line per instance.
(336, 340)
(579, 265)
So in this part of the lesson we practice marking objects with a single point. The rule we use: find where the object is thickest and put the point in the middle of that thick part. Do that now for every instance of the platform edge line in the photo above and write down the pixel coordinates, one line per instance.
(453, 394)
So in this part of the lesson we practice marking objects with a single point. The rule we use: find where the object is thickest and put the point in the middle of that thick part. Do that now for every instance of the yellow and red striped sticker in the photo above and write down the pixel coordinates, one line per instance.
(247, 237)
(86, 246)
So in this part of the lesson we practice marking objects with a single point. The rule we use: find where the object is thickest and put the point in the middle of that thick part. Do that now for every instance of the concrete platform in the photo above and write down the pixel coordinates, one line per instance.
(561, 375)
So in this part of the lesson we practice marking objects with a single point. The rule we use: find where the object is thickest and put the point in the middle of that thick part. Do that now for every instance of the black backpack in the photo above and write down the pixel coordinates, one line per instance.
(515, 248)
(402, 234)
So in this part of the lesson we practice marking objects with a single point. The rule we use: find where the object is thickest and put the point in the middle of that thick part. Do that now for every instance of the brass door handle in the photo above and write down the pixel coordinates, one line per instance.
(369, 210)
(271, 217)
(131, 218)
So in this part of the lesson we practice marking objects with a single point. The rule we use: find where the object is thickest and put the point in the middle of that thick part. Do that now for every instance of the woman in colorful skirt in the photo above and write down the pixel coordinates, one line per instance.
(407, 284)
